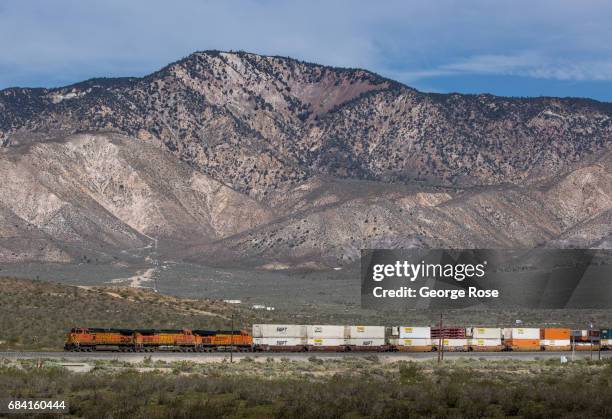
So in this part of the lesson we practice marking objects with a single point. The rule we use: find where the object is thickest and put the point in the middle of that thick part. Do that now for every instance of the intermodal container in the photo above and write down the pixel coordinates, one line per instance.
(279, 331)
(556, 344)
(367, 344)
(485, 333)
(528, 333)
(555, 333)
(327, 342)
(412, 345)
(605, 336)
(524, 345)
(586, 335)
(289, 344)
(410, 332)
(454, 344)
(366, 332)
(327, 331)
(483, 345)
(606, 343)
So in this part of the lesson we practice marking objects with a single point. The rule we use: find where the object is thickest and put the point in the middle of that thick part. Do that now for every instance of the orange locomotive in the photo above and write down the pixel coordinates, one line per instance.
(219, 340)
(149, 340)
(179, 340)
(91, 339)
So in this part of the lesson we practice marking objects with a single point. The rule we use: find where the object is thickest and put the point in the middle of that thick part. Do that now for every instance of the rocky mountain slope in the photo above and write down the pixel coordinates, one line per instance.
(280, 163)
(93, 195)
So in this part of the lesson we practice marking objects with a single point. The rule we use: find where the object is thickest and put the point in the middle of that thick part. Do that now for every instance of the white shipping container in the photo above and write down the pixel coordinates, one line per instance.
(280, 341)
(367, 332)
(326, 342)
(606, 342)
(485, 342)
(279, 330)
(555, 342)
(327, 331)
(486, 333)
(411, 342)
(409, 332)
(454, 342)
(366, 342)
(522, 333)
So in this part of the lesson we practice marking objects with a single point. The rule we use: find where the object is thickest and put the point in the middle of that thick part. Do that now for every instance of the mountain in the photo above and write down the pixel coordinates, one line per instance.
(279, 163)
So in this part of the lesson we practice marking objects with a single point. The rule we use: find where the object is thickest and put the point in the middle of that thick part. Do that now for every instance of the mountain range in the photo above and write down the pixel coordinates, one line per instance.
(232, 157)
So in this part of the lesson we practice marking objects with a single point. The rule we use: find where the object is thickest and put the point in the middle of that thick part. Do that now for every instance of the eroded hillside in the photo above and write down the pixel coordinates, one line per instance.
(279, 163)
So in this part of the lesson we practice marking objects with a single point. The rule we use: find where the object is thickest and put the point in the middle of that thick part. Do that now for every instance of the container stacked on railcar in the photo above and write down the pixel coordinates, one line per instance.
(411, 338)
(485, 339)
(279, 337)
(522, 339)
(606, 339)
(586, 340)
(367, 338)
(452, 338)
(555, 339)
(327, 338)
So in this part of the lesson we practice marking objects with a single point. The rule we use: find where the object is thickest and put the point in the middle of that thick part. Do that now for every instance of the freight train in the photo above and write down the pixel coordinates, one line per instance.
(338, 338)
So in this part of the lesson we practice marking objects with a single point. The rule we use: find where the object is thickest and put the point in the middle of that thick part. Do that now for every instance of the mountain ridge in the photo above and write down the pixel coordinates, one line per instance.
(283, 144)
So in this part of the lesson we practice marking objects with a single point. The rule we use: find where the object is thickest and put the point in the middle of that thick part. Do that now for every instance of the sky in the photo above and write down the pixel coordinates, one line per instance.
(510, 48)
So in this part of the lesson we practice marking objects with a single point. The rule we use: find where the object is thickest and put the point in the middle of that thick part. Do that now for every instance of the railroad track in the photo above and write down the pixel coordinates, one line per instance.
(297, 356)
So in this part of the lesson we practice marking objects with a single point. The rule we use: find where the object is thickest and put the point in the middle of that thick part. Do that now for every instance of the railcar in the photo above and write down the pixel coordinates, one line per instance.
(85, 339)
(182, 340)
(223, 340)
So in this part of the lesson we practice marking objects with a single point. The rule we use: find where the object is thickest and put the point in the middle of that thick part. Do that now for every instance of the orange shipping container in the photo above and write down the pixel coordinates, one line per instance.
(555, 333)
(523, 344)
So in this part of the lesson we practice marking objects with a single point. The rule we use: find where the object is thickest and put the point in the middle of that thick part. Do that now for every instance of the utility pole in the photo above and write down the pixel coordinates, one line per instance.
(156, 262)
(232, 340)
(599, 349)
(440, 341)
(591, 339)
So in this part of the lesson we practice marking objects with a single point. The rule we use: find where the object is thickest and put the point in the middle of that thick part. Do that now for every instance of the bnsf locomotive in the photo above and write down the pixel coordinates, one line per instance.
(149, 340)
(338, 338)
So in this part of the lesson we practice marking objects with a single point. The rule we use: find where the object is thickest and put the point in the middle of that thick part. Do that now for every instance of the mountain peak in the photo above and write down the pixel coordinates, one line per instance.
(287, 85)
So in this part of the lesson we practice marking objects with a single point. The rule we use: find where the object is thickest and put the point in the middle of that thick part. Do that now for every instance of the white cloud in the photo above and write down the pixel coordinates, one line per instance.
(526, 64)
(49, 42)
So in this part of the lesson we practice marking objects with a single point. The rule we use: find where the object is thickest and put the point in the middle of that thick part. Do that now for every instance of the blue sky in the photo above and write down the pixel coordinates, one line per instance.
(513, 48)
